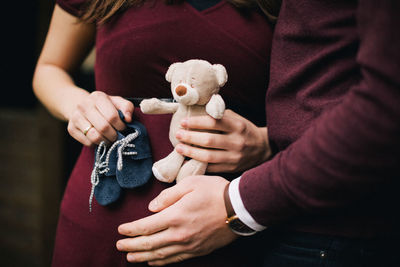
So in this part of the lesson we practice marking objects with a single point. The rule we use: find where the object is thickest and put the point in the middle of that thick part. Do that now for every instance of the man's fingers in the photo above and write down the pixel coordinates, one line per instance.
(167, 197)
(147, 243)
(161, 256)
(172, 259)
(145, 226)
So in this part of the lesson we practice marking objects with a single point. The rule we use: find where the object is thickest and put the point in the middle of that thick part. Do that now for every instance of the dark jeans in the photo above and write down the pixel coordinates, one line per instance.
(293, 249)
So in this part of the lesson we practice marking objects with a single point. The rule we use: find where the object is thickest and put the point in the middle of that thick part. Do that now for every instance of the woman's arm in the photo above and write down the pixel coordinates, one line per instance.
(67, 44)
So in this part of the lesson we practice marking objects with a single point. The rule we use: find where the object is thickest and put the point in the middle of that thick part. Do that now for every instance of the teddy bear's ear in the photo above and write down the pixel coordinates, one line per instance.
(170, 71)
(220, 72)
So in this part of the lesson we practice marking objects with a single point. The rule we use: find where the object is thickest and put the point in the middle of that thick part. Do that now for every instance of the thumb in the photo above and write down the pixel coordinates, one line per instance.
(125, 106)
(168, 197)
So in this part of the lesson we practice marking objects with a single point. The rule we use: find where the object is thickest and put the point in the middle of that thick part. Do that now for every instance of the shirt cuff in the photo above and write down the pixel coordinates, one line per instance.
(240, 209)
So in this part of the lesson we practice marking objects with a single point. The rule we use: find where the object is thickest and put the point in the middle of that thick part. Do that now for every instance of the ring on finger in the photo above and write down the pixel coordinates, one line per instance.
(87, 129)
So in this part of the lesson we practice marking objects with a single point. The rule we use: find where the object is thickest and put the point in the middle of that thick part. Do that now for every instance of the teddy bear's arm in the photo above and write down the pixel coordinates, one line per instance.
(216, 107)
(156, 106)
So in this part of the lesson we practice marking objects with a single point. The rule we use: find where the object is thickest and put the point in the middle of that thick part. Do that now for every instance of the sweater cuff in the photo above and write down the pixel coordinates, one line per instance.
(240, 209)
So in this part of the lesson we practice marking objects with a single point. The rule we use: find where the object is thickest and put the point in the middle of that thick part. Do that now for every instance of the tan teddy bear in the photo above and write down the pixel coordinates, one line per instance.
(195, 85)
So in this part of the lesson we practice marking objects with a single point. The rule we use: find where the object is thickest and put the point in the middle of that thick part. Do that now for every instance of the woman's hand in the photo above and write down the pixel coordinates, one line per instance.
(96, 118)
(230, 144)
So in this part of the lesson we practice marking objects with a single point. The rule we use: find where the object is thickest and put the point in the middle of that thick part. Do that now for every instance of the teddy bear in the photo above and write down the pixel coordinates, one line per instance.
(195, 84)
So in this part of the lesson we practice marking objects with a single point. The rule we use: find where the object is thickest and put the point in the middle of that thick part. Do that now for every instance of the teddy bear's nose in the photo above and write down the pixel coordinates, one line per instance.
(180, 90)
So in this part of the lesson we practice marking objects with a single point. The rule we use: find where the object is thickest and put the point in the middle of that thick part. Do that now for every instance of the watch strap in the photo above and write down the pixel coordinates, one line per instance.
(228, 204)
(232, 220)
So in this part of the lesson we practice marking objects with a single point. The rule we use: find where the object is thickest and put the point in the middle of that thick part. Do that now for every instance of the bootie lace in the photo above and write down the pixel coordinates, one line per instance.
(102, 159)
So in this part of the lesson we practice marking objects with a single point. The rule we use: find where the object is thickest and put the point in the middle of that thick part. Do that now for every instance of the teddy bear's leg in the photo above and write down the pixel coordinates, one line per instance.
(167, 169)
(191, 167)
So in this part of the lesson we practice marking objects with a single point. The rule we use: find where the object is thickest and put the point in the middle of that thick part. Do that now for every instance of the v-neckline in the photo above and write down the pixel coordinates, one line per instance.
(209, 9)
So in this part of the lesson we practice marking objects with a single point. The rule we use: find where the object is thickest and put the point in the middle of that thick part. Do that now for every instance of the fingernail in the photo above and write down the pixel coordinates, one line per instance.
(179, 134)
(128, 115)
(153, 205)
(179, 149)
(121, 229)
(131, 257)
(119, 246)
(184, 122)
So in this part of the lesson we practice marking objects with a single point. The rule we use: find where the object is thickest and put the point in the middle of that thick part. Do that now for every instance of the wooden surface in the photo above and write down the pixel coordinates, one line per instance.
(31, 174)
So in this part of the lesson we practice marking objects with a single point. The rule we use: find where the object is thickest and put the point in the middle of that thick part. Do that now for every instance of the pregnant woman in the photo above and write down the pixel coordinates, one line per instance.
(135, 42)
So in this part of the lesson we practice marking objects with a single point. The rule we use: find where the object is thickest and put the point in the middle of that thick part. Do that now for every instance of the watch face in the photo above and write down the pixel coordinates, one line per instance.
(238, 227)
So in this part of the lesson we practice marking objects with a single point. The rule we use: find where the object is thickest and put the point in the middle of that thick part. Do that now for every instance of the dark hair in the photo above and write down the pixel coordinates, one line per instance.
(102, 10)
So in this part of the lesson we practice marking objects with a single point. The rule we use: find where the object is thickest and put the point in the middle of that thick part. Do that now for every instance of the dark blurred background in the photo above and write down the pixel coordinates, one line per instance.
(36, 154)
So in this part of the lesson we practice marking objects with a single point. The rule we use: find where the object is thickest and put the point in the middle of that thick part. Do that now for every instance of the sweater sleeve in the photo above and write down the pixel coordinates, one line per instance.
(351, 150)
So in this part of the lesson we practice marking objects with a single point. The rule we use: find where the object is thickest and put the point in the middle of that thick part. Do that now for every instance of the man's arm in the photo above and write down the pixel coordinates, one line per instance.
(350, 150)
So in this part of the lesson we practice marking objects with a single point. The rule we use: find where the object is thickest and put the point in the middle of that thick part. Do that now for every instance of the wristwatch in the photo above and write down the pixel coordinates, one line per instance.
(232, 220)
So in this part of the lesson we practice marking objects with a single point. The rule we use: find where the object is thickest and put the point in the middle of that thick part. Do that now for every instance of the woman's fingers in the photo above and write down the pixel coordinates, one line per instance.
(100, 124)
(232, 143)
(125, 106)
(226, 124)
(222, 167)
(78, 135)
(204, 139)
(218, 160)
(103, 113)
(109, 112)
(222, 149)
(96, 118)
(83, 130)
(208, 155)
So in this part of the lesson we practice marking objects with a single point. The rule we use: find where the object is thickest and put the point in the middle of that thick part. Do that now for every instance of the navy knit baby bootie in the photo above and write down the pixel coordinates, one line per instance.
(125, 164)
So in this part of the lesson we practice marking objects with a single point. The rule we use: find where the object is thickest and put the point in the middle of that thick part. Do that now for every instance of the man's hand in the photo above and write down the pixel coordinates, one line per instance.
(190, 222)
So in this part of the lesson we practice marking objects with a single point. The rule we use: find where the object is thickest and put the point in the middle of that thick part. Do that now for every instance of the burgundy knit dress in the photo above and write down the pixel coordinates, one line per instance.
(133, 52)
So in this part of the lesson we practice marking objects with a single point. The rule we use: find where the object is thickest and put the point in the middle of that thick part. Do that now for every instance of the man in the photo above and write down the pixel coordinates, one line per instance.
(333, 113)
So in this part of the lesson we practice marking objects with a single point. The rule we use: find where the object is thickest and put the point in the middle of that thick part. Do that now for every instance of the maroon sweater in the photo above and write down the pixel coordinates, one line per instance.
(333, 114)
